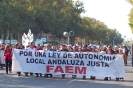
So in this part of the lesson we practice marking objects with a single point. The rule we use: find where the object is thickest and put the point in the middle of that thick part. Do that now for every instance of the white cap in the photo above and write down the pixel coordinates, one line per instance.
(120, 49)
(105, 46)
(90, 45)
(97, 46)
(115, 46)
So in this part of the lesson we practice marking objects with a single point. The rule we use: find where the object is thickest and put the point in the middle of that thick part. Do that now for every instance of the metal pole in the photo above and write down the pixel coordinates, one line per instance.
(68, 39)
(113, 42)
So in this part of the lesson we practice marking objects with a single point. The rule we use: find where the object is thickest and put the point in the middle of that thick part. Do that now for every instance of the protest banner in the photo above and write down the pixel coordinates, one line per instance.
(30, 36)
(75, 63)
(2, 61)
(26, 39)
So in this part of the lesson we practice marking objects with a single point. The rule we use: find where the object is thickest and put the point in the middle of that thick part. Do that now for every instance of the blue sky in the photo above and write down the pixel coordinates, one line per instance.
(114, 13)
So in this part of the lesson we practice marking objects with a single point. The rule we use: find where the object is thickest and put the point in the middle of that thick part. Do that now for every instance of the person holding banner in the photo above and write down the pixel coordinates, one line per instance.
(94, 49)
(63, 48)
(38, 48)
(47, 47)
(84, 49)
(19, 46)
(109, 51)
(8, 58)
(116, 49)
(124, 57)
(69, 47)
(103, 50)
(54, 48)
(32, 48)
(75, 49)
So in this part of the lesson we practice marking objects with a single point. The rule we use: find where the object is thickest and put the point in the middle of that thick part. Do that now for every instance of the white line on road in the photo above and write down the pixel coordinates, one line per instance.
(71, 81)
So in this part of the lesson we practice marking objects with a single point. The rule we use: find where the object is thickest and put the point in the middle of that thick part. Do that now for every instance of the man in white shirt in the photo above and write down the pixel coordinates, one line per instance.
(32, 48)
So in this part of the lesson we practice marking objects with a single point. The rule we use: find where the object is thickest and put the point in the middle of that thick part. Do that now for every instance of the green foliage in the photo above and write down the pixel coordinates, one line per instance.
(52, 16)
(131, 16)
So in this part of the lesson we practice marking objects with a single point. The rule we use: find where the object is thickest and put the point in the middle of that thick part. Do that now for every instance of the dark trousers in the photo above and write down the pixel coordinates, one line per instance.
(46, 75)
(26, 73)
(63, 75)
(18, 73)
(8, 65)
(37, 74)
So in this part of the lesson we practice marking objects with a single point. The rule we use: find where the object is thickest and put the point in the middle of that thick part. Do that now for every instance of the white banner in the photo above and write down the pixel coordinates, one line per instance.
(30, 36)
(78, 63)
(2, 61)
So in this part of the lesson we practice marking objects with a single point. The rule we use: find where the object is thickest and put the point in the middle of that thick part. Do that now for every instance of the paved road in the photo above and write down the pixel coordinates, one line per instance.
(13, 81)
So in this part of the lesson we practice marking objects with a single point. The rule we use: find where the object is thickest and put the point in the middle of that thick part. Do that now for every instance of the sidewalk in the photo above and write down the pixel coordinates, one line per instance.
(129, 70)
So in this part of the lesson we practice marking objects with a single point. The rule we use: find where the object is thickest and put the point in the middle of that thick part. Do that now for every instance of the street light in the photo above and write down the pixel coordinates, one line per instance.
(68, 34)
(114, 40)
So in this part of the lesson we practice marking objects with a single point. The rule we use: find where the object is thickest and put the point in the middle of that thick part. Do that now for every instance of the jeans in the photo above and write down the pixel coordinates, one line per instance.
(18, 73)
(8, 65)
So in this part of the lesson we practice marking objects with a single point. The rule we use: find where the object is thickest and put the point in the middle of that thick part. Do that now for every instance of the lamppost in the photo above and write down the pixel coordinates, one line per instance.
(125, 39)
(68, 34)
(114, 40)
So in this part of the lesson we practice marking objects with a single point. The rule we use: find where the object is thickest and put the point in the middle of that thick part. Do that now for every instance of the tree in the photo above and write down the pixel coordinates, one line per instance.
(131, 16)
(51, 16)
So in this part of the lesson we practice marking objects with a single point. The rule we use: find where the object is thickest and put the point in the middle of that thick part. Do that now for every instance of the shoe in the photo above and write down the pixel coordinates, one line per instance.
(73, 77)
(121, 79)
(31, 74)
(40, 75)
(117, 79)
(106, 78)
(46, 76)
(92, 78)
(10, 71)
(1, 67)
(36, 75)
(6, 72)
(19, 74)
(51, 75)
(84, 77)
(26, 75)
(63, 77)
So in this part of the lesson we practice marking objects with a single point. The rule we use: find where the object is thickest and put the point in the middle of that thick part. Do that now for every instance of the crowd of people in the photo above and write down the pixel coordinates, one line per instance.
(123, 50)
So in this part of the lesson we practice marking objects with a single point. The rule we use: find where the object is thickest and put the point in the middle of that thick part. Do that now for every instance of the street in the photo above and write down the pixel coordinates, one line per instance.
(13, 81)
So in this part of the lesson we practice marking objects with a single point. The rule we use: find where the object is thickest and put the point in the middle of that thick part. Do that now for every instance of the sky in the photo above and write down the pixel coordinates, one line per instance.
(114, 13)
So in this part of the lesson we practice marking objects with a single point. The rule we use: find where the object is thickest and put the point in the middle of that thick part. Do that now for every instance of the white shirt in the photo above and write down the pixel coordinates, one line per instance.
(29, 48)
(103, 52)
